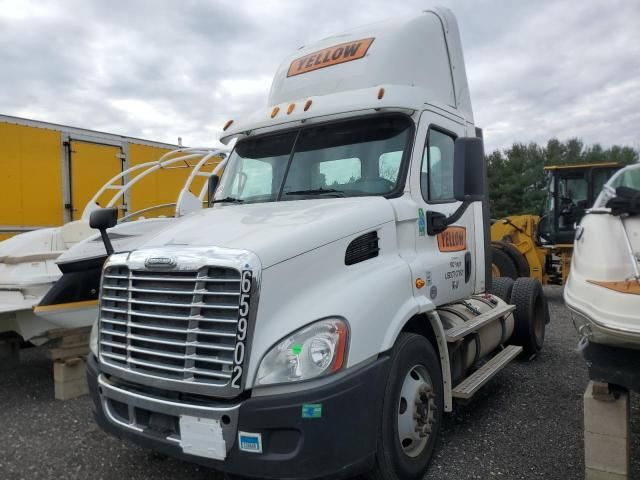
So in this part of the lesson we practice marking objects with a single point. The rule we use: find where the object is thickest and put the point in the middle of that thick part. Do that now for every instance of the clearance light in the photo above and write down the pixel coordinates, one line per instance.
(227, 125)
(275, 111)
(307, 105)
(420, 283)
(291, 108)
(340, 352)
(380, 93)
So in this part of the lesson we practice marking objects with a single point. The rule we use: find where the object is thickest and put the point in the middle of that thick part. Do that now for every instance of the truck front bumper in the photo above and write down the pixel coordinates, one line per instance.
(338, 440)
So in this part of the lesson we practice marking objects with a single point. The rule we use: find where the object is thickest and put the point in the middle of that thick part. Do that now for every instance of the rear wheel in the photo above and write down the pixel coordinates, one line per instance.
(502, 287)
(411, 414)
(531, 314)
(518, 259)
(501, 264)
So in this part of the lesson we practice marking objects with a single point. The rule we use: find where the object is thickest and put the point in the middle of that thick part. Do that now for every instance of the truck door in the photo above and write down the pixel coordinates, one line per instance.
(91, 165)
(447, 260)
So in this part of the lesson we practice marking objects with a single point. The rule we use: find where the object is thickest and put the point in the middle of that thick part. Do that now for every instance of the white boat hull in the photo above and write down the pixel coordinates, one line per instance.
(70, 315)
(28, 262)
(15, 318)
(601, 291)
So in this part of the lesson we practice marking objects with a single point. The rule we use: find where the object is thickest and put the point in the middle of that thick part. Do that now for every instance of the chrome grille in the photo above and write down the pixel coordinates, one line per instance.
(172, 325)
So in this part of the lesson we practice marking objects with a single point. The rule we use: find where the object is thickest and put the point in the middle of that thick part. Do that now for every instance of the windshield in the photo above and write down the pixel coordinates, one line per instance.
(627, 177)
(355, 158)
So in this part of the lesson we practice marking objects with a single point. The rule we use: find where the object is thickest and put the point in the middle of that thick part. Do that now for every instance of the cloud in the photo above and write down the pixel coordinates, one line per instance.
(567, 69)
(181, 69)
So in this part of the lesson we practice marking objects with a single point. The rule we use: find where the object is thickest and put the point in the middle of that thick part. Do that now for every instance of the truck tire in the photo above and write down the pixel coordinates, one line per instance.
(501, 264)
(518, 259)
(406, 444)
(502, 287)
(530, 314)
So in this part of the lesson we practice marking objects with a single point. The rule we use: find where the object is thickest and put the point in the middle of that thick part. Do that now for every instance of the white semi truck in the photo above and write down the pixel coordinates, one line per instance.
(325, 313)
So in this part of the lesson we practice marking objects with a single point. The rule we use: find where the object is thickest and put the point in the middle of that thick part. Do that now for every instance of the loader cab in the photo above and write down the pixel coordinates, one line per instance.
(571, 190)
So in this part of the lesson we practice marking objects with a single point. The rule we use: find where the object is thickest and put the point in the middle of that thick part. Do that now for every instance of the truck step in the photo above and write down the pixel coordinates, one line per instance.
(469, 386)
(458, 333)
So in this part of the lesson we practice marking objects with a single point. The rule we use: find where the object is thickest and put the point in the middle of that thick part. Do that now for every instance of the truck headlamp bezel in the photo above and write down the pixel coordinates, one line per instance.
(302, 355)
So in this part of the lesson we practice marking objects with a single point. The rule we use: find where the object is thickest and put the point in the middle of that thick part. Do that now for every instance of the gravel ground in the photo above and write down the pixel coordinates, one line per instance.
(526, 424)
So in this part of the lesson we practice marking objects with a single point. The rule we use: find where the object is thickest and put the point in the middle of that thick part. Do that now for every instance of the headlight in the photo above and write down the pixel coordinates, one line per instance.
(313, 351)
(93, 339)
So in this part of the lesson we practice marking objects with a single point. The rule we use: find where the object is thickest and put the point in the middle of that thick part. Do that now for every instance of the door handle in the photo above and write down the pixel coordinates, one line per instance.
(467, 267)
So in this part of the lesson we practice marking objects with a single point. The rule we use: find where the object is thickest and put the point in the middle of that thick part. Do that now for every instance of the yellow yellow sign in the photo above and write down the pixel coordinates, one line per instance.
(453, 239)
(344, 52)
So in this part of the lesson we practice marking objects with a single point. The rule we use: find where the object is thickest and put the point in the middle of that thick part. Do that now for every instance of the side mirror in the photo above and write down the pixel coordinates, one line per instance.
(101, 220)
(469, 182)
(214, 180)
(469, 170)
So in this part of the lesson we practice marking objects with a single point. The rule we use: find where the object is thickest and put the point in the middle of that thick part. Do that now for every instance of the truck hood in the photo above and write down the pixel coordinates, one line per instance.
(275, 231)
(124, 237)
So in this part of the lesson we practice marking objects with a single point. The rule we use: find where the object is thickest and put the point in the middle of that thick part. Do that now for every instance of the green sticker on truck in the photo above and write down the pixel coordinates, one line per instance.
(422, 224)
(312, 410)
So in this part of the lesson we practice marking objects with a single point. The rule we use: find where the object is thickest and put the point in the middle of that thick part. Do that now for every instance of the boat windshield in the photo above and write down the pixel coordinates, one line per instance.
(627, 177)
(360, 157)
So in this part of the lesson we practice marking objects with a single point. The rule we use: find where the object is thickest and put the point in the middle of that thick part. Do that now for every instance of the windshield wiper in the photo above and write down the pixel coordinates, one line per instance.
(317, 191)
(228, 200)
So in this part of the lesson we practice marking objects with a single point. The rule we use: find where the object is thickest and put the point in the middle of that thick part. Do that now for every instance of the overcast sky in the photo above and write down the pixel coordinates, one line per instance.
(167, 69)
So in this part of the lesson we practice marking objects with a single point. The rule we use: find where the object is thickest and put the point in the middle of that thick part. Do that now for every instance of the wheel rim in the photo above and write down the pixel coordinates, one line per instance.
(495, 271)
(416, 411)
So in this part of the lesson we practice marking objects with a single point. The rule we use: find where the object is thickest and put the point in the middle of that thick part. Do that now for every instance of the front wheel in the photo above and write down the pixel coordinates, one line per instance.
(412, 411)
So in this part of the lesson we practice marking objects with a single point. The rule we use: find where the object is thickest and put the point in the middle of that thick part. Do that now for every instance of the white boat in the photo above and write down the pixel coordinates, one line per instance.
(30, 262)
(603, 289)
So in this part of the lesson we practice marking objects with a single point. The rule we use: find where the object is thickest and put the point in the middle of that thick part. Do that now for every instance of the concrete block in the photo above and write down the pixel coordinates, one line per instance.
(606, 453)
(607, 417)
(69, 378)
(69, 369)
(606, 432)
(72, 389)
(593, 474)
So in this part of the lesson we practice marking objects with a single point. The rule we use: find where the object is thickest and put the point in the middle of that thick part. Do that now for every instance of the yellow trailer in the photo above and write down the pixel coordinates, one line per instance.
(50, 172)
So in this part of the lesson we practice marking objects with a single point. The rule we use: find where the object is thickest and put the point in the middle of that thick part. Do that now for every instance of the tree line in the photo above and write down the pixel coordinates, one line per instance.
(517, 181)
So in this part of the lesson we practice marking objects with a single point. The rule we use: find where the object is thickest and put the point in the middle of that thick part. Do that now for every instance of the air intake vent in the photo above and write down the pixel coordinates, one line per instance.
(362, 248)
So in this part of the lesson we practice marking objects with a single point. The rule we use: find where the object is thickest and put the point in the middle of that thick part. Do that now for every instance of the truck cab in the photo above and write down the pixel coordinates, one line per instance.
(323, 314)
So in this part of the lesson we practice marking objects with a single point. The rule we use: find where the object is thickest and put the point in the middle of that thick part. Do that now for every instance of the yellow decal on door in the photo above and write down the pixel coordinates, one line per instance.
(453, 239)
(344, 52)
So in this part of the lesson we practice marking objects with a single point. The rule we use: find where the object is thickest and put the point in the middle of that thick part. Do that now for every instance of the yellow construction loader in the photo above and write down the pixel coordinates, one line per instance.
(540, 246)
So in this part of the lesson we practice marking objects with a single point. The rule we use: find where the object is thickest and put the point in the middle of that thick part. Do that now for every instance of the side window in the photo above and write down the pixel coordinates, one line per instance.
(436, 174)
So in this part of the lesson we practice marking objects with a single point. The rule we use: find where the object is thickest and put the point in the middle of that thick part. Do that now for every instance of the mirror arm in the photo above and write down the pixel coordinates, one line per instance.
(458, 213)
(213, 185)
(107, 241)
(101, 220)
(438, 222)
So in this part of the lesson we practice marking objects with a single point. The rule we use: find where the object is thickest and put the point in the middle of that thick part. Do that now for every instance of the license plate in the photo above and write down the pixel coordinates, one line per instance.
(202, 437)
